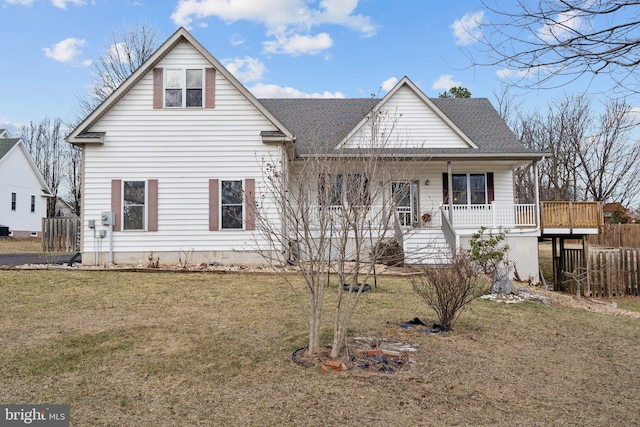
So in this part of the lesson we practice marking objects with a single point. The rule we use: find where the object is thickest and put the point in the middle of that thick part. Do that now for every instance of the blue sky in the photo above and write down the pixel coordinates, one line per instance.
(277, 48)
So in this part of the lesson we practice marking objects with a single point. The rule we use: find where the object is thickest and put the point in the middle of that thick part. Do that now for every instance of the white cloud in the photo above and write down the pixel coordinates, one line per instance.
(289, 21)
(62, 4)
(236, 40)
(467, 29)
(634, 115)
(388, 84)
(565, 23)
(245, 69)
(119, 52)
(297, 44)
(66, 50)
(13, 128)
(274, 91)
(20, 2)
(507, 73)
(87, 62)
(445, 82)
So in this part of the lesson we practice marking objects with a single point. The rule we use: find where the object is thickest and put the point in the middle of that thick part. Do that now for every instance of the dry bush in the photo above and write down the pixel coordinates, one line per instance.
(448, 289)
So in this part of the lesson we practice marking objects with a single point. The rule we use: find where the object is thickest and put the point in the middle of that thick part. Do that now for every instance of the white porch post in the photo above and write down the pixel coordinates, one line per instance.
(537, 195)
(450, 192)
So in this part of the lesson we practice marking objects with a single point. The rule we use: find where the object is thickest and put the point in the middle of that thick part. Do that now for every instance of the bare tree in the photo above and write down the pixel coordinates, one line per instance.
(123, 54)
(45, 143)
(591, 157)
(557, 132)
(609, 157)
(547, 43)
(330, 210)
(73, 178)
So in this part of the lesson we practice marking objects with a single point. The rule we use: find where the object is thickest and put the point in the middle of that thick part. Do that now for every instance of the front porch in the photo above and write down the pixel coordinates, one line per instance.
(432, 239)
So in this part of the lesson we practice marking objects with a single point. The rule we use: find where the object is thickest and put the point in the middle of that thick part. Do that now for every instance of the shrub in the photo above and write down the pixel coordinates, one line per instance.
(489, 250)
(448, 289)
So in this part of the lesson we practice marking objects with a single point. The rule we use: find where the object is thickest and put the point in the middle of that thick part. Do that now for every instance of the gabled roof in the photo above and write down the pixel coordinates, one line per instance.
(332, 121)
(422, 97)
(4, 133)
(8, 145)
(79, 134)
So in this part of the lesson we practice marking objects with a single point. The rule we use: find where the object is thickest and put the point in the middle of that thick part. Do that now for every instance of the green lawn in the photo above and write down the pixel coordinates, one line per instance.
(171, 349)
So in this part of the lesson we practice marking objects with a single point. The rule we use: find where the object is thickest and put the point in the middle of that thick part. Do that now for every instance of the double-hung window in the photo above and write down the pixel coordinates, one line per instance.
(33, 203)
(183, 88)
(469, 189)
(134, 207)
(231, 204)
(13, 201)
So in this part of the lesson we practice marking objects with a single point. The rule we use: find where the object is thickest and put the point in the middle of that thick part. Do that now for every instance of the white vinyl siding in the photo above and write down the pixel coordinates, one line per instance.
(17, 176)
(183, 149)
(411, 123)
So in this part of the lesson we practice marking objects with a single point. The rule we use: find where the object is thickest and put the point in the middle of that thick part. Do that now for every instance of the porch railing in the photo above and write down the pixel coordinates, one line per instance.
(571, 215)
(493, 215)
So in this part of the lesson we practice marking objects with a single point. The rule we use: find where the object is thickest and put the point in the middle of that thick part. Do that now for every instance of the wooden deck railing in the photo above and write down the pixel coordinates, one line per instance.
(571, 215)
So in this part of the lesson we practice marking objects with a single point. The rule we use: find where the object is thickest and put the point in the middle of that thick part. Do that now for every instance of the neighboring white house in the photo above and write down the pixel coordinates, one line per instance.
(166, 149)
(23, 191)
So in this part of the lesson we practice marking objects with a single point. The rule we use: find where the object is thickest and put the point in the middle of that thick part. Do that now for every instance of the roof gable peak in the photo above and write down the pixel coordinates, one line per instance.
(420, 95)
(177, 37)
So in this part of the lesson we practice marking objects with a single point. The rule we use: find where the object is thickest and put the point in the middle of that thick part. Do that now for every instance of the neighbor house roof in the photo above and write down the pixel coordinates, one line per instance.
(9, 144)
(6, 144)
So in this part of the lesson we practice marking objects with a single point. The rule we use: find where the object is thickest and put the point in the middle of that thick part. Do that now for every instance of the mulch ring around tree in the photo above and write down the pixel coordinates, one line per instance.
(365, 357)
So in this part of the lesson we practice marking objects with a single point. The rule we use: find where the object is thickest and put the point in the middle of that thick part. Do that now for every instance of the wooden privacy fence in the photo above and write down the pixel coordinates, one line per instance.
(618, 236)
(611, 273)
(60, 234)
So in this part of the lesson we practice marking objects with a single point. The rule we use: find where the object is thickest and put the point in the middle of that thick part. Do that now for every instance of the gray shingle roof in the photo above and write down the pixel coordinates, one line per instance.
(328, 121)
(7, 144)
(319, 120)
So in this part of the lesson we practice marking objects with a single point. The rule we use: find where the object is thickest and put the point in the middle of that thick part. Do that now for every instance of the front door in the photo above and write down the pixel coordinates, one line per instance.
(405, 197)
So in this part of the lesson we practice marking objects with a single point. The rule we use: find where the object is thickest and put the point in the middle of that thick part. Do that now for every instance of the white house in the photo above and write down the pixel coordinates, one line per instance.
(167, 149)
(23, 191)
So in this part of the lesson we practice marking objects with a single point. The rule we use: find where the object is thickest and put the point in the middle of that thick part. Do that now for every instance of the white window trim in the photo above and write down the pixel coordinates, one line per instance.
(244, 205)
(183, 72)
(486, 189)
(146, 206)
(32, 205)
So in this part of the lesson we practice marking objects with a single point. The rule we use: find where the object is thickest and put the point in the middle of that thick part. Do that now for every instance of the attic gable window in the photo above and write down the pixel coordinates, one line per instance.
(183, 88)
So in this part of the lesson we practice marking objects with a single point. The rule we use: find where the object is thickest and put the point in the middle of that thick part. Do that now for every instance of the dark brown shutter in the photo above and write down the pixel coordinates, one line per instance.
(210, 88)
(116, 203)
(152, 224)
(445, 188)
(250, 195)
(157, 88)
(490, 192)
(214, 205)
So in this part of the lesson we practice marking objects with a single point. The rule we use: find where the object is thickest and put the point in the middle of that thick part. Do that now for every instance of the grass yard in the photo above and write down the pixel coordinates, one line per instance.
(20, 246)
(171, 349)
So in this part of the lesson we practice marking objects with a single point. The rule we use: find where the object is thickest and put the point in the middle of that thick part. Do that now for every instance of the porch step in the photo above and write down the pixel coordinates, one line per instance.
(426, 246)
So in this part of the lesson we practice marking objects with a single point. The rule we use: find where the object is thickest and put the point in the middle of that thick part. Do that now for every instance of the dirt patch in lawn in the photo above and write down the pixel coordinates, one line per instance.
(588, 304)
